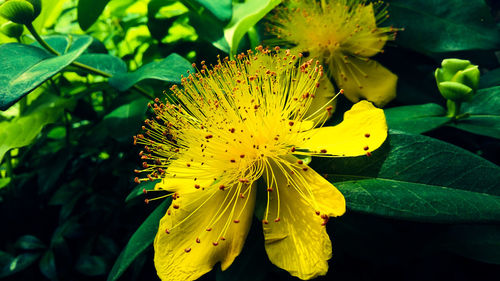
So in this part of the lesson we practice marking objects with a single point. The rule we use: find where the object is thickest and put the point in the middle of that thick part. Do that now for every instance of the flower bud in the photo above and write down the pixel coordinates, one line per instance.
(21, 11)
(457, 80)
(12, 30)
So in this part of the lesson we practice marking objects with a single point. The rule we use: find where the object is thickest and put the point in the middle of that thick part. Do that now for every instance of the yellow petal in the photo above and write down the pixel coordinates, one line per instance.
(362, 43)
(363, 130)
(187, 251)
(322, 99)
(364, 79)
(298, 242)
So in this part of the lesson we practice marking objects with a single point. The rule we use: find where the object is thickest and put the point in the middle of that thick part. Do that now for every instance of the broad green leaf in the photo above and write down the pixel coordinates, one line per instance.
(21, 131)
(219, 8)
(29, 242)
(91, 265)
(104, 62)
(479, 242)
(123, 122)
(435, 26)
(51, 10)
(23, 67)
(246, 15)
(210, 29)
(486, 125)
(415, 201)
(10, 265)
(416, 119)
(484, 111)
(89, 11)
(140, 241)
(169, 69)
(415, 177)
(139, 189)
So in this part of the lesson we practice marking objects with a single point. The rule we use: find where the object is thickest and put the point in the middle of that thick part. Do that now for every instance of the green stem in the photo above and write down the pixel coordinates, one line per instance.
(453, 108)
(85, 67)
(39, 39)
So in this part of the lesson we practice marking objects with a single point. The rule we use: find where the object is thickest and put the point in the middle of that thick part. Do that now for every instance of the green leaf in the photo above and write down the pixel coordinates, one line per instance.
(435, 26)
(89, 11)
(219, 8)
(479, 242)
(210, 29)
(47, 265)
(416, 119)
(140, 241)
(490, 79)
(23, 67)
(104, 62)
(29, 242)
(10, 265)
(91, 265)
(139, 189)
(4, 182)
(169, 69)
(418, 178)
(123, 122)
(245, 16)
(484, 114)
(21, 131)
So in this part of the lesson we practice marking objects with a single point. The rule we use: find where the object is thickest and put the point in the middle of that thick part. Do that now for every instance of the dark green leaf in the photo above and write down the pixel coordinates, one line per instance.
(23, 67)
(479, 242)
(486, 125)
(416, 119)
(22, 130)
(10, 265)
(125, 121)
(47, 265)
(89, 11)
(245, 16)
(419, 178)
(139, 189)
(29, 242)
(484, 110)
(104, 62)
(169, 69)
(490, 79)
(91, 265)
(436, 26)
(210, 29)
(140, 241)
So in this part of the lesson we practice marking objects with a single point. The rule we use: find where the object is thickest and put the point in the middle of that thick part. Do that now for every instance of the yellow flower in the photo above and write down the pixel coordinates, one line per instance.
(226, 127)
(343, 35)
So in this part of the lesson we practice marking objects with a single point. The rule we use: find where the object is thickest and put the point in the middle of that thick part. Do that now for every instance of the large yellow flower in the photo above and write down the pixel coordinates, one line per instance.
(343, 35)
(226, 127)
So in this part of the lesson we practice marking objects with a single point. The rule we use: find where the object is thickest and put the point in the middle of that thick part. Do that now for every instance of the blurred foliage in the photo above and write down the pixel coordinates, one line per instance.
(426, 206)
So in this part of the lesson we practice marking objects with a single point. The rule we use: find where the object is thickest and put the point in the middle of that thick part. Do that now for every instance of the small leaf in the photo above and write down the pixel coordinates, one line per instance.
(123, 122)
(104, 62)
(487, 125)
(47, 265)
(479, 242)
(89, 11)
(91, 265)
(29, 242)
(416, 119)
(10, 265)
(169, 69)
(219, 8)
(4, 182)
(140, 241)
(246, 15)
(23, 67)
(485, 102)
(22, 130)
(437, 26)
(490, 79)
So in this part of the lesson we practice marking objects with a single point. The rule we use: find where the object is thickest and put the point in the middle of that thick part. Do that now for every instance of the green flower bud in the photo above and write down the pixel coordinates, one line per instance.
(457, 80)
(12, 30)
(21, 11)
